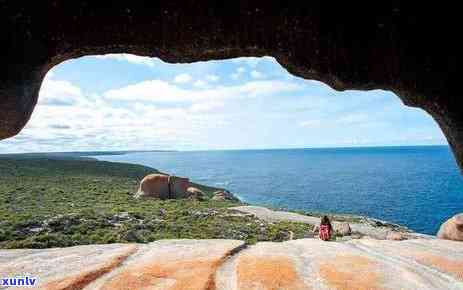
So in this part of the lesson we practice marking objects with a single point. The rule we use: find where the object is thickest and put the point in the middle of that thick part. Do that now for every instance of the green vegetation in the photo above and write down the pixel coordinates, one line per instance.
(57, 202)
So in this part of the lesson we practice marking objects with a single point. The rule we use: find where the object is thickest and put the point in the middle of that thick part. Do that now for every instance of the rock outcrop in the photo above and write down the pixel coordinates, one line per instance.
(342, 228)
(227, 264)
(178, 186)
(154, 185)
(395, 236)
(452, 229)
(222, 195)
(195, 193)
(163, 186)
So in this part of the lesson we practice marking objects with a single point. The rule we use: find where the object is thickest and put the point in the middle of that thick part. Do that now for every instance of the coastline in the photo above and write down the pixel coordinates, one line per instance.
(51, 202)
(335, 215)
(383, 183)
(364, 225)
(277, 248)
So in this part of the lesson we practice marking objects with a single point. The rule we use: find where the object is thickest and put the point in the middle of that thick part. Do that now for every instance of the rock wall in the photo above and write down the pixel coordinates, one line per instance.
(411, 49)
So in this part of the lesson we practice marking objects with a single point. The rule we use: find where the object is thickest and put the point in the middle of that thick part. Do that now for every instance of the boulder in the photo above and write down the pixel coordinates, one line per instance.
(342, 229)
(163, 186)
(154, 185)
(222, 195)
(178, 186)
(452, 229)
(195, 193)
(395, 236)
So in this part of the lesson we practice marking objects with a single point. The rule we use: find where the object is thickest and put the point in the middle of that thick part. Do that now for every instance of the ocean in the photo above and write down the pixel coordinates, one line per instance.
(417, 186)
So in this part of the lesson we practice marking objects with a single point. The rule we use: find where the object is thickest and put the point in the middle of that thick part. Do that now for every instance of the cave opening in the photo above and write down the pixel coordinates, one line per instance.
(64, 199)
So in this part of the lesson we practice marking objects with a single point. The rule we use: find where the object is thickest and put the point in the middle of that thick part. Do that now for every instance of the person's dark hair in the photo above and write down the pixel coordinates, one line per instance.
(326, 221)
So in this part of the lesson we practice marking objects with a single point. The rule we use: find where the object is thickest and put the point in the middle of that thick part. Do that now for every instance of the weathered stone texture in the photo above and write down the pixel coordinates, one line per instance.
(452, 229)
(163, 186)
(226, 264)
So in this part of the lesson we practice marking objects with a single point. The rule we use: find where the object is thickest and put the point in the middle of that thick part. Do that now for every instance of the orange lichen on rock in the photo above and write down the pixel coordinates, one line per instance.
(173, 275)
(452, 267)
(81, 280)
(346, 272)
(269, 273)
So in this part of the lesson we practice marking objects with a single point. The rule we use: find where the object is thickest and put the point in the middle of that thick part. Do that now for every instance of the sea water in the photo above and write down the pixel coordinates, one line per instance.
(419, 187)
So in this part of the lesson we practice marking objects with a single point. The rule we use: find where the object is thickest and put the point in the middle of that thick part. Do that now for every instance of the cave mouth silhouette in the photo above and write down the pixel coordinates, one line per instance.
(383, 45)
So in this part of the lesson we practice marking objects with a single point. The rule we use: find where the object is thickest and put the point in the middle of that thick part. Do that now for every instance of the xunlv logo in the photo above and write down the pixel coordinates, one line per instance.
(18, 281)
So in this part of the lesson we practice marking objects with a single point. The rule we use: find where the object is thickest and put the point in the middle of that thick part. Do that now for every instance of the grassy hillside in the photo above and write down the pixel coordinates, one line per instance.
(71, 201)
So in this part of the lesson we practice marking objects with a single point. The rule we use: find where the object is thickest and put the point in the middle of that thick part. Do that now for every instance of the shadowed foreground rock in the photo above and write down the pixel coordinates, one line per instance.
(226, 264)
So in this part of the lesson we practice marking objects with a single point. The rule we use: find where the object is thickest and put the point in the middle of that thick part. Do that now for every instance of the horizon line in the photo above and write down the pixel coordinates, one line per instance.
(225, 149)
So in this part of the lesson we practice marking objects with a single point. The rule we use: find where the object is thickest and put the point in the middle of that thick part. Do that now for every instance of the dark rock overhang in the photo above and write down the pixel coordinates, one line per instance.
(409, 48)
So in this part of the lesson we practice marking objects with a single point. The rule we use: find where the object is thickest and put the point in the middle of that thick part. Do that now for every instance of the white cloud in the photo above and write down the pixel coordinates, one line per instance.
(238, 73)
(131, 58)
(182, 78)
(200, 84)
(151, 90)
(59, 93)
(158, 114)
(212, 78)
(164, 92)
(206, 107)
(253, 62)
(92, 122)
(257, 75)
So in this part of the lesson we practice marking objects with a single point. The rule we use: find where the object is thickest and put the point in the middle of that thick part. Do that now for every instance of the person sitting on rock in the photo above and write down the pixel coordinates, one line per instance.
(325, 229)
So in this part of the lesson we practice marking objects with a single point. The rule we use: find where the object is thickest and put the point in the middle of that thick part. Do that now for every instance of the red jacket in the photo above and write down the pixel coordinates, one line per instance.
(324, 232)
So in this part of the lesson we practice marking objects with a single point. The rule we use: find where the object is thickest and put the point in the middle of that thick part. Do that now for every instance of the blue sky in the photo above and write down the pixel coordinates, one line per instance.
(127, 102)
